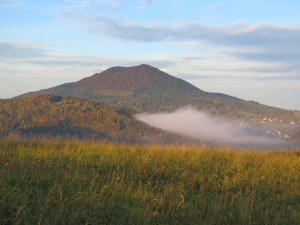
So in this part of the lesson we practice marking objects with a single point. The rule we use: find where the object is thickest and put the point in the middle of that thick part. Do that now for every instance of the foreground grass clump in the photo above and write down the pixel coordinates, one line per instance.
(72, 182)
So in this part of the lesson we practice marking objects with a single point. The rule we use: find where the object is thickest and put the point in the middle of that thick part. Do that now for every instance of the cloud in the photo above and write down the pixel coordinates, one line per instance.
(145, 3)
(74, 5)
(112, 4)
(198, 125)
(286, 54)
(12, 4)
(21, 59)
(20, 50)
(263, 35)
(261, 42)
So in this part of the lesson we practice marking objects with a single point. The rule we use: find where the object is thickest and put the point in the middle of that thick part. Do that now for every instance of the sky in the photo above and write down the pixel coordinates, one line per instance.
(248, 49)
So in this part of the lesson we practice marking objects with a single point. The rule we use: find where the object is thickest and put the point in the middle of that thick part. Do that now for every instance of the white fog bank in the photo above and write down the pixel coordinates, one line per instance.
(198, 125)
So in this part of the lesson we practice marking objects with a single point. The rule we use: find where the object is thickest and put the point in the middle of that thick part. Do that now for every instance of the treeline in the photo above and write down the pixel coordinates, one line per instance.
(54, 115)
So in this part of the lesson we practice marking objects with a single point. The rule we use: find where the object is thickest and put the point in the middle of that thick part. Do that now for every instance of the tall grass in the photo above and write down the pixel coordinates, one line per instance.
(75, 182)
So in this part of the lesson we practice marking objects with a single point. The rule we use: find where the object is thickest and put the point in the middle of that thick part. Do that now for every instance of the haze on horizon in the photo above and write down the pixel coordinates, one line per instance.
(248, 49)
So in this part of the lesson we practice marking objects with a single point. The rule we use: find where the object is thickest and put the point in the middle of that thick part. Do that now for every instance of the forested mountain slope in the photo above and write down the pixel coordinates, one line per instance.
(69, 116)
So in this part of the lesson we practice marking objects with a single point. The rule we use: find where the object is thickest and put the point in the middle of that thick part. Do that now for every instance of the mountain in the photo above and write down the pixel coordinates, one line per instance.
(68, 116)
(142, 87)
(146, 88)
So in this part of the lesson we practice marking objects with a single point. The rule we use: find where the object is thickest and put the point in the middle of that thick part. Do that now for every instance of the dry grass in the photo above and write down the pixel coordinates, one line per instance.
(73, 182)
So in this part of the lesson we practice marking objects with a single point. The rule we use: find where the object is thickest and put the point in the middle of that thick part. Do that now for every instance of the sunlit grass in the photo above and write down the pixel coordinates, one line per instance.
(75, 182)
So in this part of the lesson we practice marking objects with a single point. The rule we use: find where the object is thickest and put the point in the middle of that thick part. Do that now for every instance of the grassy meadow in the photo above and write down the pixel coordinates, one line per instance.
(76, 182)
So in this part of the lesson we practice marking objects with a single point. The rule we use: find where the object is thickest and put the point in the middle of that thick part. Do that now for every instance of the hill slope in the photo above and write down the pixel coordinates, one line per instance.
(146, 88)
(69, 116)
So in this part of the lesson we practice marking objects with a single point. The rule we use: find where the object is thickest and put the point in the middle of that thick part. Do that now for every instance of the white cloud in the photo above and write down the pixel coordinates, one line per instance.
(20, 50)
(12, 4)
(262, 42)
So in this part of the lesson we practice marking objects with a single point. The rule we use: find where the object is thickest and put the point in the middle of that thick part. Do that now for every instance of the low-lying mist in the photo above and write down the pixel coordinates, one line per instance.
(198, 125)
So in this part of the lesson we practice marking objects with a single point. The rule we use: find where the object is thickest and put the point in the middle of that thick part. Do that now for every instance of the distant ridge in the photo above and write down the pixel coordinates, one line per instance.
(227, 96)
(146, 88)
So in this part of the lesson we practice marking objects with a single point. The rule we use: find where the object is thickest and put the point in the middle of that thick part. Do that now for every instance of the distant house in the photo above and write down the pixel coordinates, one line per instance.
(293, 123)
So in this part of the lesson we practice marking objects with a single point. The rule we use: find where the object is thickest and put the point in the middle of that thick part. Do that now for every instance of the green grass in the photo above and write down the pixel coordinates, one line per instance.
(73, 182)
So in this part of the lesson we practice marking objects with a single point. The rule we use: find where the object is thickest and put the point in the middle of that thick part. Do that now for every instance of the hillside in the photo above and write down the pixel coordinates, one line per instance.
(146, 88)
(296, 136)
(69, 116)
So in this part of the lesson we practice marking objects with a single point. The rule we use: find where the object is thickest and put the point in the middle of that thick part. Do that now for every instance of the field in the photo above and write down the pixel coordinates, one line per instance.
(77, 182)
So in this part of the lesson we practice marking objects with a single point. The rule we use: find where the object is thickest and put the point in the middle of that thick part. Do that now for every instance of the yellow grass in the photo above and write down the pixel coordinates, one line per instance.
(75, 182)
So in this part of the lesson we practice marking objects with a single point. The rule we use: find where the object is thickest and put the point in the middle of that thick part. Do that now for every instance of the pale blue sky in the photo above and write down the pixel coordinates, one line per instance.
(249, 49)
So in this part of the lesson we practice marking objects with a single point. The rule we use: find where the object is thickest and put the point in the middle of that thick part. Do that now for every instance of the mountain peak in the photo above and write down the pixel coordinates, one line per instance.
(130, 81)
(132, 70)
(119, 81)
